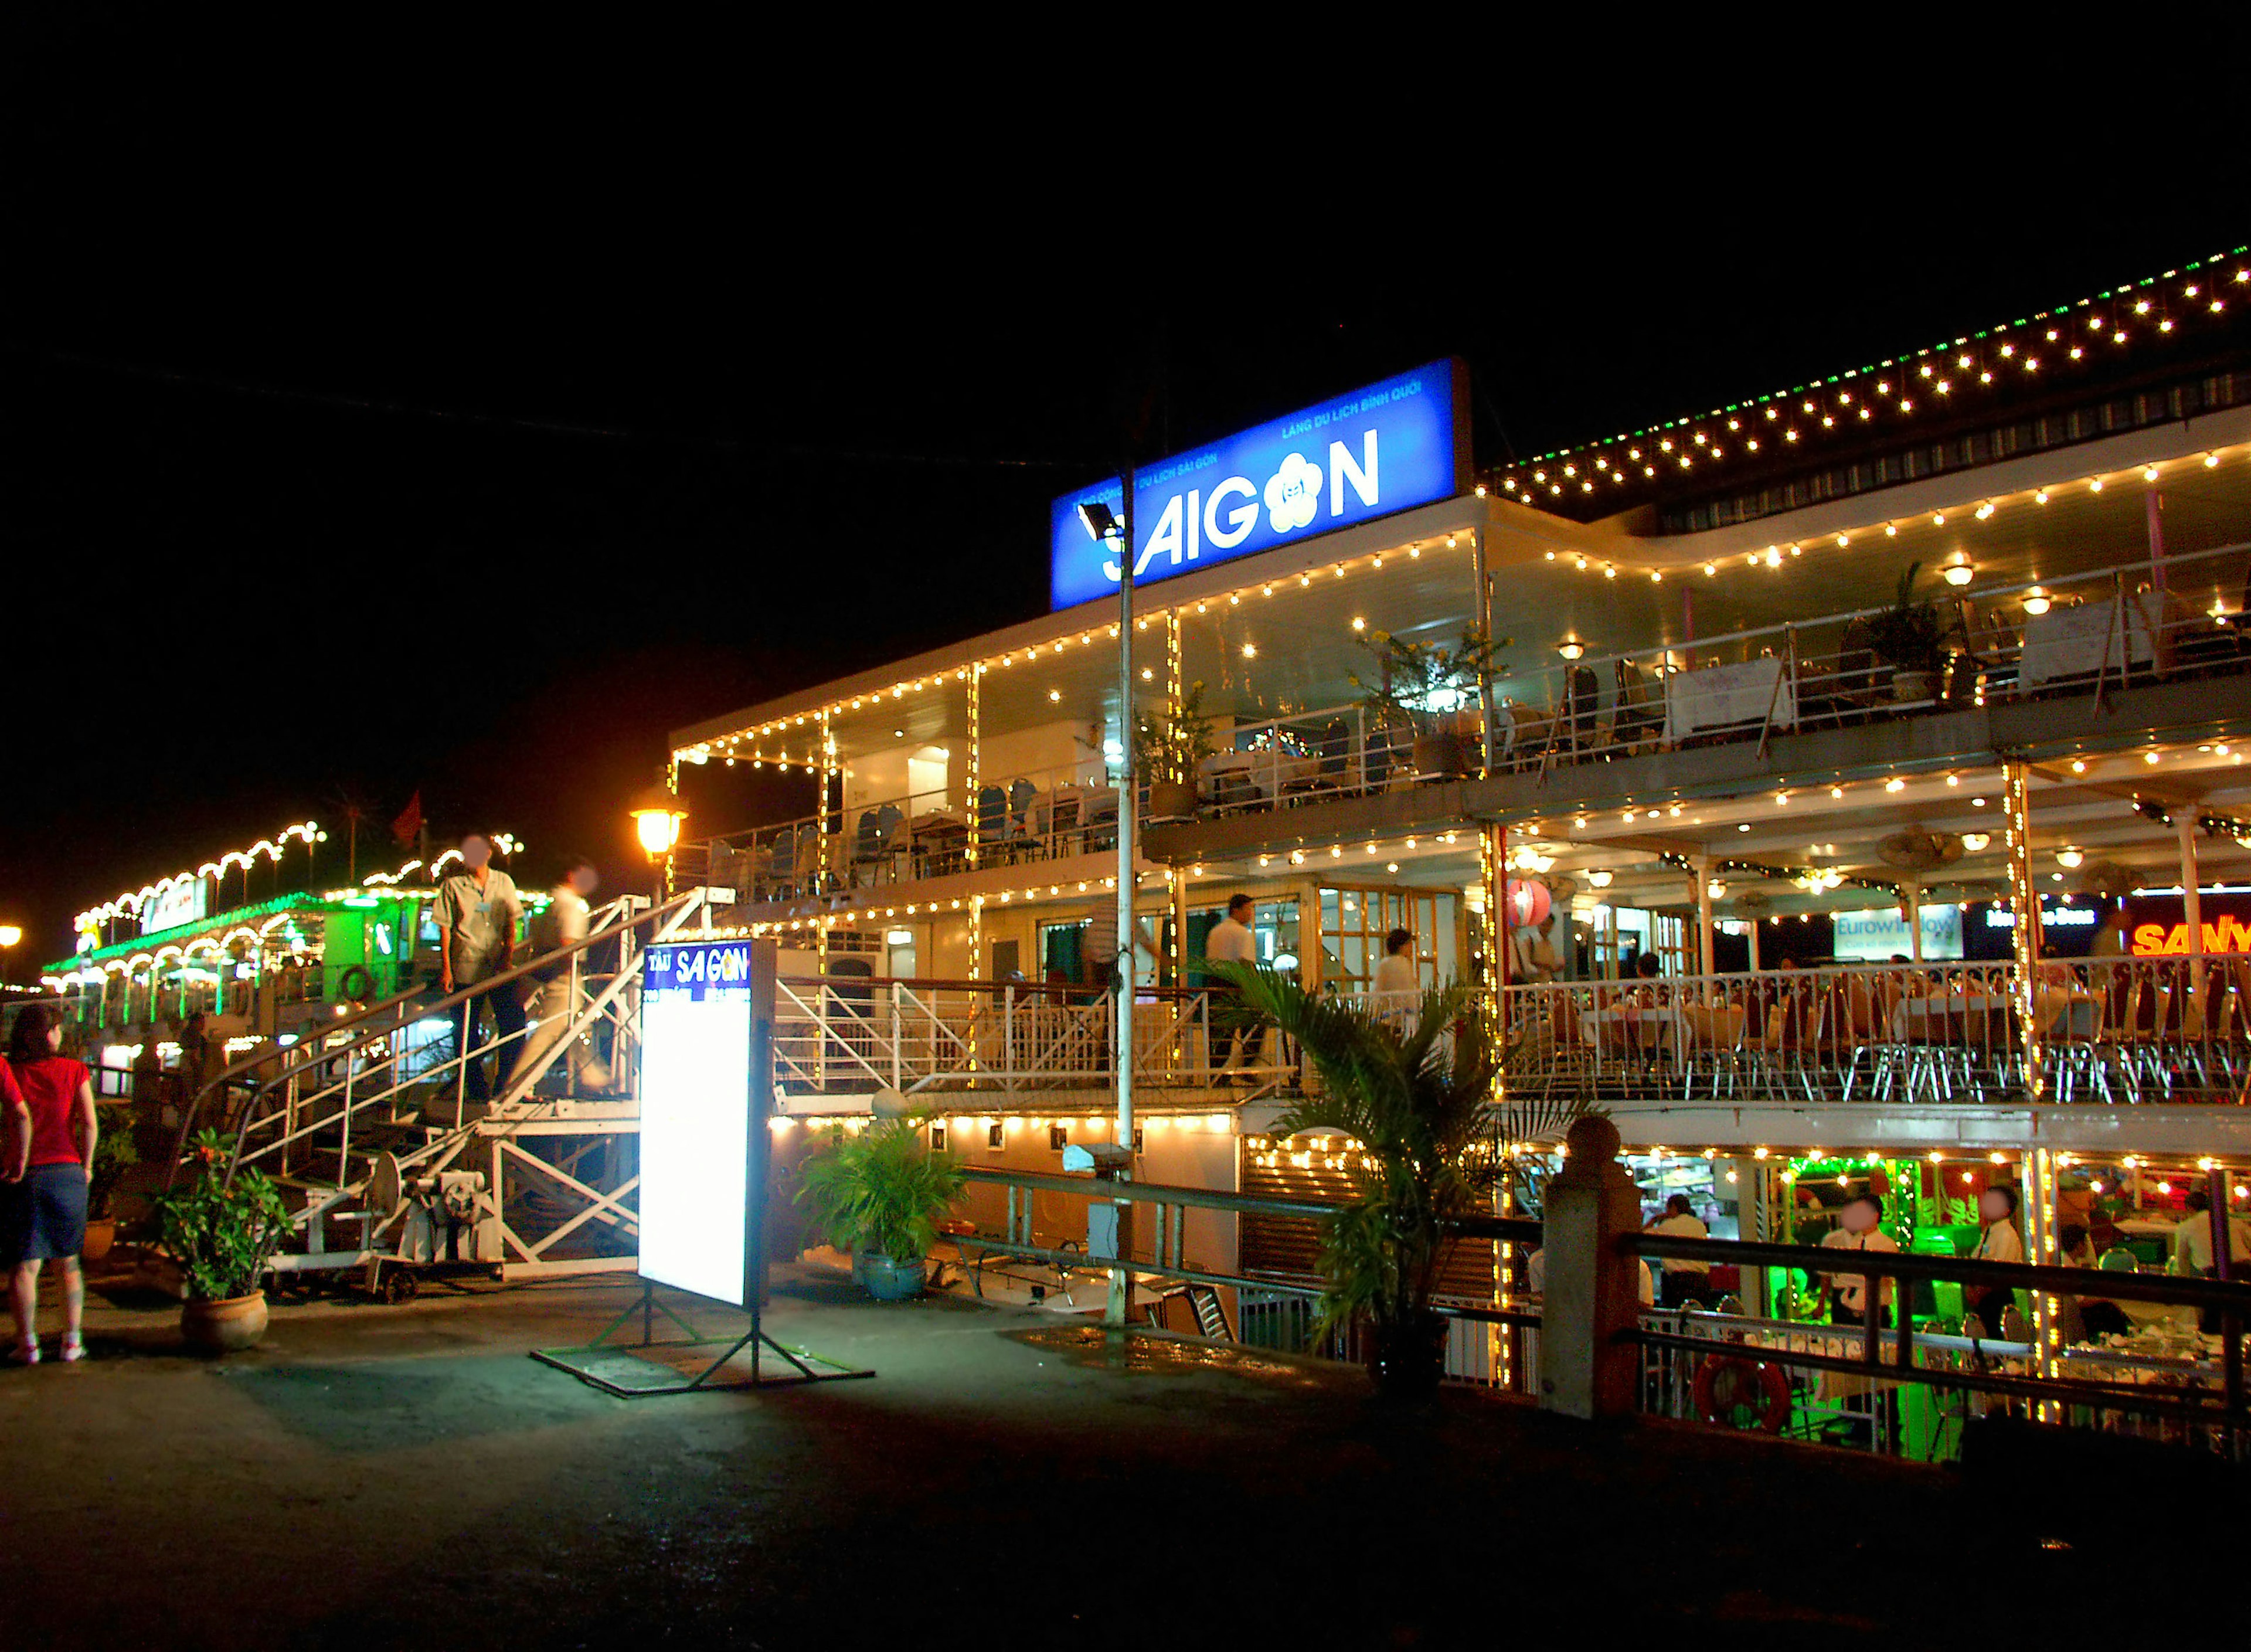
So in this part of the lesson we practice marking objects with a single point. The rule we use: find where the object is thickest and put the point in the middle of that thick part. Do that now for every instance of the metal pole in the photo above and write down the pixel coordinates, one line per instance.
(1913, 919)
(1121, 1279)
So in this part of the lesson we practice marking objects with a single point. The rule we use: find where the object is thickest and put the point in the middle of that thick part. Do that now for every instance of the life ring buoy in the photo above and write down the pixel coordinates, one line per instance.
(1727, 1387)
(357, 984)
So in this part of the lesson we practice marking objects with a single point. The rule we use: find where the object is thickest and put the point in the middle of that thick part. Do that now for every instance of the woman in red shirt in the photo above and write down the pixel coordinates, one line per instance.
(47, 1158)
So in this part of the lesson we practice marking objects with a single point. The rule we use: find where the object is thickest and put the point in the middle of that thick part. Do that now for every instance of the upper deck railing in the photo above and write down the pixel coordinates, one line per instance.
(2124, 623)
(928, 1039)
(2113, 1030)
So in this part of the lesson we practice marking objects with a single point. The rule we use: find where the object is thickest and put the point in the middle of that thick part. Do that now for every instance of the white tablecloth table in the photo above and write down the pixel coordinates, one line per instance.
(1913, 1018)
(1728, 697)
(2110, 635)
(1643, 1029)
(1264, 773)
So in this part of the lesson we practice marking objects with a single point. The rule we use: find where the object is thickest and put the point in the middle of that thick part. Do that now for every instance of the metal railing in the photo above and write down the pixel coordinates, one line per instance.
(2115, 1030)
(2201, 1399)
(841, 1034)
(391, 1082)
(1487, 1343)
(2124, 622)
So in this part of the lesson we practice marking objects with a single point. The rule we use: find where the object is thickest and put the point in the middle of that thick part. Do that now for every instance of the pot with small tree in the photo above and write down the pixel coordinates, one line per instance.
(1423, 686)
(878, 1194)
(222, 1230)
(114, 1155)
(1169, 752)
(1910, 637)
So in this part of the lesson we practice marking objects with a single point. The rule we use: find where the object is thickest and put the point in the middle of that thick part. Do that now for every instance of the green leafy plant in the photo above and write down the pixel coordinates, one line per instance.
(1414, 1093)
(1173, 749)
(114, 1155)
(222, 1231)
(1410, 676)
(1909, 635)
(882, 1189)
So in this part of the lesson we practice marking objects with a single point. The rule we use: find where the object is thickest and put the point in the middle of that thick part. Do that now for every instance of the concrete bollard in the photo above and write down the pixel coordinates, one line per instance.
(1590, 1294)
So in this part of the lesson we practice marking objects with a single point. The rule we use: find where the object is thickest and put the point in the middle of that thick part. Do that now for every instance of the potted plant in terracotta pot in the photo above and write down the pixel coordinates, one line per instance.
(878, 1194)
(114, 1155)
(1169, 753)
(1910, 637)
(1426, 687)
(223, 1231)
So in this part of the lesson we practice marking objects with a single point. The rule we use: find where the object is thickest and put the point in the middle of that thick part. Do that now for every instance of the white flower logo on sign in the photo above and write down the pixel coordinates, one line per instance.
(1293, 494)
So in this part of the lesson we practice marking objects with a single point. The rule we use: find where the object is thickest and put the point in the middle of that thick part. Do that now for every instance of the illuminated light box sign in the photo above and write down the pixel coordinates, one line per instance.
(1370, 453)
(2156, 926)
(702, 1106)
(1880, 933)
(182, 902)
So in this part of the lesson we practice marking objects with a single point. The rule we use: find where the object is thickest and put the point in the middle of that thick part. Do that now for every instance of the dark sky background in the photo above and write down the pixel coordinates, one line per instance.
(394, 415)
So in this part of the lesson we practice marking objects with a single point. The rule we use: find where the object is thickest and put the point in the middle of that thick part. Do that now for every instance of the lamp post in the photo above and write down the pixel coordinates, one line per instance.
(11, 936)
(656, 818)
(1104, 528)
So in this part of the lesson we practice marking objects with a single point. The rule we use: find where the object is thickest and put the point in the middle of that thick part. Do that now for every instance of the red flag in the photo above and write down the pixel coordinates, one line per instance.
(408, 826)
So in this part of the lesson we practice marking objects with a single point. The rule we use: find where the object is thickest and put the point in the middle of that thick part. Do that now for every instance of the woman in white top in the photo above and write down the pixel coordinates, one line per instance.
(1396, 973)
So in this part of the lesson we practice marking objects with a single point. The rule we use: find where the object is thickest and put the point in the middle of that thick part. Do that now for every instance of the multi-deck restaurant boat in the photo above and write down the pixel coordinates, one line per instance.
(1950, 874)
(1896, 719)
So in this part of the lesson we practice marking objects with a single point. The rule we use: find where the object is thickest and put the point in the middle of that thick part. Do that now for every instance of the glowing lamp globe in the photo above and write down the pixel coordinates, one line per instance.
(657, 819)
(1527, 902)
(10, 934)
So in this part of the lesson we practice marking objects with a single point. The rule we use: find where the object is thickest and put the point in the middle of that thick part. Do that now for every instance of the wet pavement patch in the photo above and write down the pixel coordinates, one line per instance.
(1133, 1353)
(393, 1405)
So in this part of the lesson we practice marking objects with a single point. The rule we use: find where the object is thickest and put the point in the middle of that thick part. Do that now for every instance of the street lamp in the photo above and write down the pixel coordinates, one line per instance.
(656, 818)
(10, 936)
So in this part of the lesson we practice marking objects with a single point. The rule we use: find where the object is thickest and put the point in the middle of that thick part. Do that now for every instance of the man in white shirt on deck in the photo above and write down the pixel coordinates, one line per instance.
(1998, 1206)
(1231, 941)
(1683, 1278)
(2192, 1240)
(1859, 1228)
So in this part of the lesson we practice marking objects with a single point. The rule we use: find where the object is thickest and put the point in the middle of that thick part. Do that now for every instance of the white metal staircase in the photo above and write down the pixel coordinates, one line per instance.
(361, 1123)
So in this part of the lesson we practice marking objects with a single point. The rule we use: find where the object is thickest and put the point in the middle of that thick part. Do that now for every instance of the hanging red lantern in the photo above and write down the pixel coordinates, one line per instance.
(1527, 902)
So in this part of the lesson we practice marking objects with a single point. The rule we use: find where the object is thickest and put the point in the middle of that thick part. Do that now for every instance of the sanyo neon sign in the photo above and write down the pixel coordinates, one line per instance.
(1387, 448)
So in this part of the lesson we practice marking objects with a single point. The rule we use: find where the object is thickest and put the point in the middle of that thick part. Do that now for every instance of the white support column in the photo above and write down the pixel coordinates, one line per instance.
(2184, 816)
(1913, 891)
(2025, 895)
(1754, 928)
(2038, 1203)
(1704, 912)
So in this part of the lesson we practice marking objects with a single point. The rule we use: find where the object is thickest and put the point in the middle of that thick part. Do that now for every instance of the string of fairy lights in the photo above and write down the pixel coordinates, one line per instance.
(766, 743)
(129, 902)
(2036, 350)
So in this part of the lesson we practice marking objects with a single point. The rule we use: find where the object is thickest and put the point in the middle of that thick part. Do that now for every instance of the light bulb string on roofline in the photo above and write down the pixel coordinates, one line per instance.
(2157, 308)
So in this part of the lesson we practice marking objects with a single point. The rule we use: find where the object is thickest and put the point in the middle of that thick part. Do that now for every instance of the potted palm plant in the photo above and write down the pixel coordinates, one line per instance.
(1414, 1093)
(1169, 753)
(114, 1155)
(1909, 636)
(222, 1231)
(877, 1195)
(1422, 687)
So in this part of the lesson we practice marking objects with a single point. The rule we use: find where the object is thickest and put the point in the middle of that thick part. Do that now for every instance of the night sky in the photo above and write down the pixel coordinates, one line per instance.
(463, 428)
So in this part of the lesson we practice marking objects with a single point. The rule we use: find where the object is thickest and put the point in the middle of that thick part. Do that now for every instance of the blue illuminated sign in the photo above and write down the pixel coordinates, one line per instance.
(1388, 447)
(692, 972)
